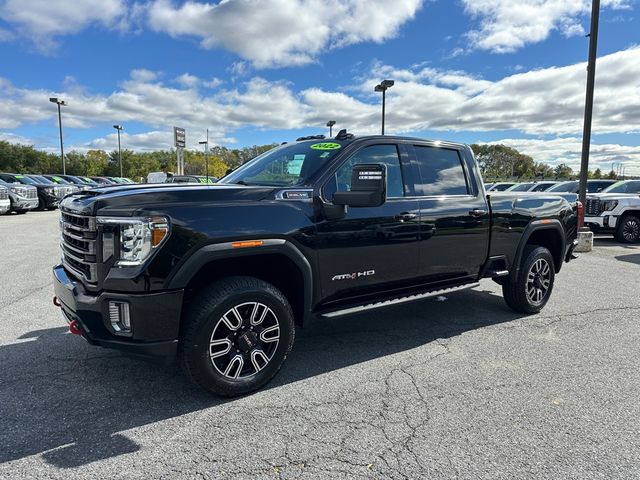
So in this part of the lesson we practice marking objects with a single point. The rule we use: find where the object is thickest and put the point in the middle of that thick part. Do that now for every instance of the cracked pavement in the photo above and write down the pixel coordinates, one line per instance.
(444, 388)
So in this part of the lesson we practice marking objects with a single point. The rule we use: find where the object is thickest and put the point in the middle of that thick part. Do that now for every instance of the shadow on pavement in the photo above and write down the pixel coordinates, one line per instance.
(632, 258)
(69, 402)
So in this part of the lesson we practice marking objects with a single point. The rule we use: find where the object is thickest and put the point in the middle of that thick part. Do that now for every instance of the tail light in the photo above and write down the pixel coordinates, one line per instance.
(580, 209)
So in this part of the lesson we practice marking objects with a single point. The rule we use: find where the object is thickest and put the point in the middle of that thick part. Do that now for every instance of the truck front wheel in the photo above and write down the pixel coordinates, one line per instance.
(237, 335)
(532, 288)
(628, 230)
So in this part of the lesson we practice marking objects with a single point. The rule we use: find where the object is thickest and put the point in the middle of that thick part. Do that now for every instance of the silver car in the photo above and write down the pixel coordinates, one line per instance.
(22, 198)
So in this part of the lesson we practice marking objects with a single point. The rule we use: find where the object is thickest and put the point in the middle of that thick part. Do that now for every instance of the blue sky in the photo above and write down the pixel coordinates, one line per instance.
(262, 71)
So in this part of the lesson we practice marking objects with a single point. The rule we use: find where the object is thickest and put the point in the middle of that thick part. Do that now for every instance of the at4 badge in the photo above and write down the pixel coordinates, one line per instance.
(354, 275)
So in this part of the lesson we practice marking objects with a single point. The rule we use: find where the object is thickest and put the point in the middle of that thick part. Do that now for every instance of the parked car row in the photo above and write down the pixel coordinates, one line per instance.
(23, 192)
(611, 206)
(571, 186)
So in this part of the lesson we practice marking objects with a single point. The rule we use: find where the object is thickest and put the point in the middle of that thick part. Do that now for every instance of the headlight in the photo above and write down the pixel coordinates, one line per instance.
(609, 205)
(20, 191)
(138, 237)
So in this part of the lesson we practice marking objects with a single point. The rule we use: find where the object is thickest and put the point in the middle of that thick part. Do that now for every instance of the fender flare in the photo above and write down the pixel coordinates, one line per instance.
(183, 274)
(536, 226)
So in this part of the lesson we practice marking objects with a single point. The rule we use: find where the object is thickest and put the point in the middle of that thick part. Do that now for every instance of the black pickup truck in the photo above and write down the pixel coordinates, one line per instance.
(218, 276)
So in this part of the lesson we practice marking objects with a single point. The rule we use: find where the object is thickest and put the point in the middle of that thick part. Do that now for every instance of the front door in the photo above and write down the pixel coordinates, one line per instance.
(370, 249)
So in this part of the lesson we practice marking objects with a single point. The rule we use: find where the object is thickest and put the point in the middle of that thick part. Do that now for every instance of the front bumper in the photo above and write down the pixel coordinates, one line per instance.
(155, 317)
(4, 206)
(602, 222)
(20, 203)
(50, 201)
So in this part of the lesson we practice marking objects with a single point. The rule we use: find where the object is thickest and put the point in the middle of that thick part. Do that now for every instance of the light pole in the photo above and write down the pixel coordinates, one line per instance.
(330, 124)
(60, 103)
(588, 107)
(119, 128)
(206, 155)
(382, 87)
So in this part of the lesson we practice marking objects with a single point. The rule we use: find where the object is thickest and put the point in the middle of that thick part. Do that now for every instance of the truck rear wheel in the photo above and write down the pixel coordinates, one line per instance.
(628, 229)
(237, 335)
(532, 288)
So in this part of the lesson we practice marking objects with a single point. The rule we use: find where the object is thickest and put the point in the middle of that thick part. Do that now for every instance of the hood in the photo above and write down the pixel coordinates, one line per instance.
(130, 200)
(606, 196)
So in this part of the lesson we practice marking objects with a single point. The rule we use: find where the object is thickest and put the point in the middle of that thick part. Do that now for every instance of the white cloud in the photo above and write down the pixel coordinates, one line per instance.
(539, 102)
(507, 25)
(569, 150)
(43, 20)
(188, 81)
(271, 33)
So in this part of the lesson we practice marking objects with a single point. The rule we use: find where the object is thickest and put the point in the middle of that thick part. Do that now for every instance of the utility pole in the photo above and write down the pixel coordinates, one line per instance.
(330, 124)
(383, 87)
(588, 107)
(206, 155)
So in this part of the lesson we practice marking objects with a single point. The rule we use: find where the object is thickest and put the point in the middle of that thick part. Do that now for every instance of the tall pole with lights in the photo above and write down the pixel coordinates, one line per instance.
(60, 103)
(588, 107)
(119, 129)
(330, 124)
(383, 87)
(206, 155)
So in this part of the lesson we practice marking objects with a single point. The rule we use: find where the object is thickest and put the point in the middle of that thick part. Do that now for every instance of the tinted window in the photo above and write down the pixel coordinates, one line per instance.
(565, 187)
(386, 154)
(501, 187)
(541, 187)
(632, 186)
(440, 171)
(523, 187)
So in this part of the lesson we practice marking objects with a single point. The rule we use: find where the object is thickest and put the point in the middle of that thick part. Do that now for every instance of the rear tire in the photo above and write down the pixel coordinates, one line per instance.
(237, 334)
(530, 291)
(628, 229)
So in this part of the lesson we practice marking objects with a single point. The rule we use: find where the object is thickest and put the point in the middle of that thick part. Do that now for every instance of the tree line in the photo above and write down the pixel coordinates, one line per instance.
(17, 158)
(496, 162)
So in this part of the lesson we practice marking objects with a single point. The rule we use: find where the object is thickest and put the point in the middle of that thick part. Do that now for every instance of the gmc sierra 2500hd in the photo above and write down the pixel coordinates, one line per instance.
(219, 275)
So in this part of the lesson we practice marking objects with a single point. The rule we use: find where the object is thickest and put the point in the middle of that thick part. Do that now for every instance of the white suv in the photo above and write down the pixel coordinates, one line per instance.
(617, 209)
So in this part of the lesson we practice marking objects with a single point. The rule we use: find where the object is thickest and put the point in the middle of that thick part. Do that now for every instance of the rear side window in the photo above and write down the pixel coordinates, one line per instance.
(441, 172)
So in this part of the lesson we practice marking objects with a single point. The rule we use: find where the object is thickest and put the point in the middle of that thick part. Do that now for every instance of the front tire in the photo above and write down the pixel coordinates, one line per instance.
(628, 229)
(530, 291)
(237, 335)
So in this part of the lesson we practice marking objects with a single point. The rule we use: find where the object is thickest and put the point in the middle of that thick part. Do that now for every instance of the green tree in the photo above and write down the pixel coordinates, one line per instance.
(563, 171)
(500, 161)
(612, 175)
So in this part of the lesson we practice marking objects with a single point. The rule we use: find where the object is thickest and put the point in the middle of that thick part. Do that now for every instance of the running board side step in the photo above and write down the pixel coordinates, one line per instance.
(396, 301)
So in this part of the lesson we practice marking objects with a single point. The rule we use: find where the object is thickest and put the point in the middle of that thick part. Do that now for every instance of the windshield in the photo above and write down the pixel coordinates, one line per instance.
(287, 165)
(41, 179)
(541, 187)
(565, 187)
(501, 187)
(522, 187)
(628, 186)
(59, 180)
(88, 181)
(25, 180)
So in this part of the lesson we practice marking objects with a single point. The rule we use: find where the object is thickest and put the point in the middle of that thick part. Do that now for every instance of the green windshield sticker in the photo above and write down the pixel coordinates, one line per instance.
(19, 176)
(326, 146)
(57, 179)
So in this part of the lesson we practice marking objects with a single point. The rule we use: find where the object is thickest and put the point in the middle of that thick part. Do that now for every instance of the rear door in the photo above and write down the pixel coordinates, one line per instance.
(370, 249)
(454, 217)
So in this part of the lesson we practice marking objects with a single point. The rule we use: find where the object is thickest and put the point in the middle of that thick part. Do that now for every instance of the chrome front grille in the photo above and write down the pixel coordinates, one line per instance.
(4, 194)
(31, 193)
(593, 207)
(78, 241)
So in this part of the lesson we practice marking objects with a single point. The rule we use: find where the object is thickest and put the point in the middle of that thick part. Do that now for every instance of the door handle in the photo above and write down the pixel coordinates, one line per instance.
(406, 216)
(477, 212)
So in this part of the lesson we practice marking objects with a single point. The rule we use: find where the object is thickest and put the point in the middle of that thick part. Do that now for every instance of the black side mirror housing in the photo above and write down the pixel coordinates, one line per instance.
(368, 187)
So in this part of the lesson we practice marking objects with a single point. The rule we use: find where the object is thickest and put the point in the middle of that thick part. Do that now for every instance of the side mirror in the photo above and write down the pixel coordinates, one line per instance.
(368, 187)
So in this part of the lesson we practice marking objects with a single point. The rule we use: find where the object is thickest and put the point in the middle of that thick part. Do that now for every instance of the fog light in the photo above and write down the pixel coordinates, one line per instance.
(120, 318)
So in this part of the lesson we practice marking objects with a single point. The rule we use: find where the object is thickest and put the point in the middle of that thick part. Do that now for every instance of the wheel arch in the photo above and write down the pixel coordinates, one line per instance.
(546, 233)
(276, 261)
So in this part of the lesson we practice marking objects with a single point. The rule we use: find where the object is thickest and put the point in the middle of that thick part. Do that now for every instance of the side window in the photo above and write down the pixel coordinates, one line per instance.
(387, 154)
(441, 171)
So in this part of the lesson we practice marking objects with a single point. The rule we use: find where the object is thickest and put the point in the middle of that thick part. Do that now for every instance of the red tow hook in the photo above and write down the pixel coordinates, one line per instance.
(56, 302)
(74, 328)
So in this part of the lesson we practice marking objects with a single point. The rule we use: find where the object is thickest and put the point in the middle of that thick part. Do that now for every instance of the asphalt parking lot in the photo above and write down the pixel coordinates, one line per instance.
(457, 387)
